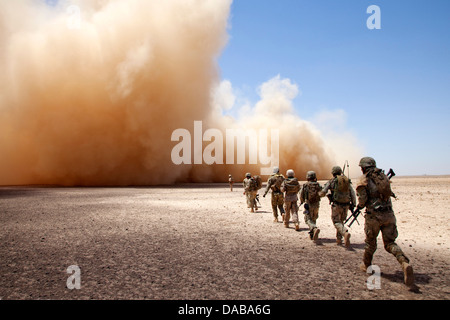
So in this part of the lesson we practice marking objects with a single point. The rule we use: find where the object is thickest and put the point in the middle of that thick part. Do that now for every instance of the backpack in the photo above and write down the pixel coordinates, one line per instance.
(382, 183)
(312, 192)
(291, 185)
(278, 181)
(258, 181)
(341, 192)
(252, 184)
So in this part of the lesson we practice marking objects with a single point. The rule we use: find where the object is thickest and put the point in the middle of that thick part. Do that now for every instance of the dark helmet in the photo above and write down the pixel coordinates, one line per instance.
(248, 175)
(311, 176)
(367, 162)
(336, 170)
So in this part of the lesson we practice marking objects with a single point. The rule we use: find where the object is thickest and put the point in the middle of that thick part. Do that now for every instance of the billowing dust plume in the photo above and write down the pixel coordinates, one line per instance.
(91, 91)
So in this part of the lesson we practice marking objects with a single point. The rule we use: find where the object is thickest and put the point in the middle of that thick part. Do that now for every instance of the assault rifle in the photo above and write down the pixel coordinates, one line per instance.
(357, 212)
(355, 215)
(257, 199)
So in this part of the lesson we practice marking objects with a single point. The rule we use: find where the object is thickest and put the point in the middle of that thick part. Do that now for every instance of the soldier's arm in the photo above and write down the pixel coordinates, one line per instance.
(362, 196)
(302, 194)
(283, 184)
(269, 184)
(325, 189)
(352, 195)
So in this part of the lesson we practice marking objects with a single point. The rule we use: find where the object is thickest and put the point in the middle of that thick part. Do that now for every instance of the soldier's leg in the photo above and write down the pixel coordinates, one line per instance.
(280, 202)
(389, 233)
(295, 215)
(287, 212)
(336, 214)
(254, 193)
(371, 229)
(274, 202)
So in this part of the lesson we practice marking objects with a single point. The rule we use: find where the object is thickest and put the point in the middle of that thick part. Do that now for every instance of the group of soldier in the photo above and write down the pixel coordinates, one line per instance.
(373, 193)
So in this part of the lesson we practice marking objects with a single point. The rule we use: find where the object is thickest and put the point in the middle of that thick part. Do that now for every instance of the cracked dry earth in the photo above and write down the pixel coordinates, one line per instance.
(200, 242)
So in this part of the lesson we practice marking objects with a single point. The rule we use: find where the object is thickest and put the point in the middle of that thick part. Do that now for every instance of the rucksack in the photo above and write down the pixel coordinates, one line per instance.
(341, 192)
(278, 181)
(258, 181)
(252, 184)
(291, 185)
(382, 182)
(312, 192)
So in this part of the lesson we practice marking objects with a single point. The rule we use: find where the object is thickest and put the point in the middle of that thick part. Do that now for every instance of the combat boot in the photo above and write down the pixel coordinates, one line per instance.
(408, 274)
(316, 234)
(338, 241)
(297, 227)
(347, 239)
(363, 267)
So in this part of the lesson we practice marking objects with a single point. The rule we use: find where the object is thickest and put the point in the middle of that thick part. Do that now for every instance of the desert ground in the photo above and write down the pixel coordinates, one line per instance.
(199, 241)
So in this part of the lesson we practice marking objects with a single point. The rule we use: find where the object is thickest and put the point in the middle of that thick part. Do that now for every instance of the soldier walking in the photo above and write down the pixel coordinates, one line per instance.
(250, 191)
(309, 195)
(290, 187)
(274, 183)
(374, 193)
(230, 181)
(342, 196)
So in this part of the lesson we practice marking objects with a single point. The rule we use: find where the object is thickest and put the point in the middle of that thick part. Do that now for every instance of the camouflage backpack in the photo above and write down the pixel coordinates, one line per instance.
(341, 192)
(252, 184)
(278, 181)
(291, 185)
(258, 181)
(382, 183)
(312, 192)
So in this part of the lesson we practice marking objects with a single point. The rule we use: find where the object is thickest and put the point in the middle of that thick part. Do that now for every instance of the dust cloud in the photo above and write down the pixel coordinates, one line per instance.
(91, 92)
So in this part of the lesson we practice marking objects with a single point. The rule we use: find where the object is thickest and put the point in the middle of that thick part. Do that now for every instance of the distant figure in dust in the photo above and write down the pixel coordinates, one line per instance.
(230, 181)
(274, 183)
(290, 187)
(374, 193)
(342, 196)
(250, 191)
(309, 195)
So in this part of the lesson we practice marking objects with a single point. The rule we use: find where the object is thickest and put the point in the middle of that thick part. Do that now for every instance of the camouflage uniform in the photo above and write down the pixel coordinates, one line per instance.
(230, 181)
(277, 196)
(339, 210)
(312, 213)
(290, 200)
(250, 194)
(379, 217)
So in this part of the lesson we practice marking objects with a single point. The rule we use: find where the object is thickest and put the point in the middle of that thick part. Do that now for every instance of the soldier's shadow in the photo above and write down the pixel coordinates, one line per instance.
(353, 246)
(398, 277)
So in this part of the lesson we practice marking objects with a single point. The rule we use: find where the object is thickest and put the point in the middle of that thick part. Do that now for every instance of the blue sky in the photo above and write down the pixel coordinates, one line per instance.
(392, 83)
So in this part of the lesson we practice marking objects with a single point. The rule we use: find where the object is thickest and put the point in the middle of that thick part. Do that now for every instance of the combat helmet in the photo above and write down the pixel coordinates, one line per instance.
(367, 162)
(276, 170)
(311, 176)
(336, 170)
(290, 173)
(248, 175)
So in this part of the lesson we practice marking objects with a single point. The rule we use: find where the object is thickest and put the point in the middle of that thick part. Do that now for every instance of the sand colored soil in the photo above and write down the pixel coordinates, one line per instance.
(201, 242)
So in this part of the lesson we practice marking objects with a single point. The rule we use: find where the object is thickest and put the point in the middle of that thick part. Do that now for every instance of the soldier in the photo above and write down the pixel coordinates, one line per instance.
(309, 195)
(291, 187)
(250, 191)
(342, 197)
(274, 183)
(230, 181)
(374, 193)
